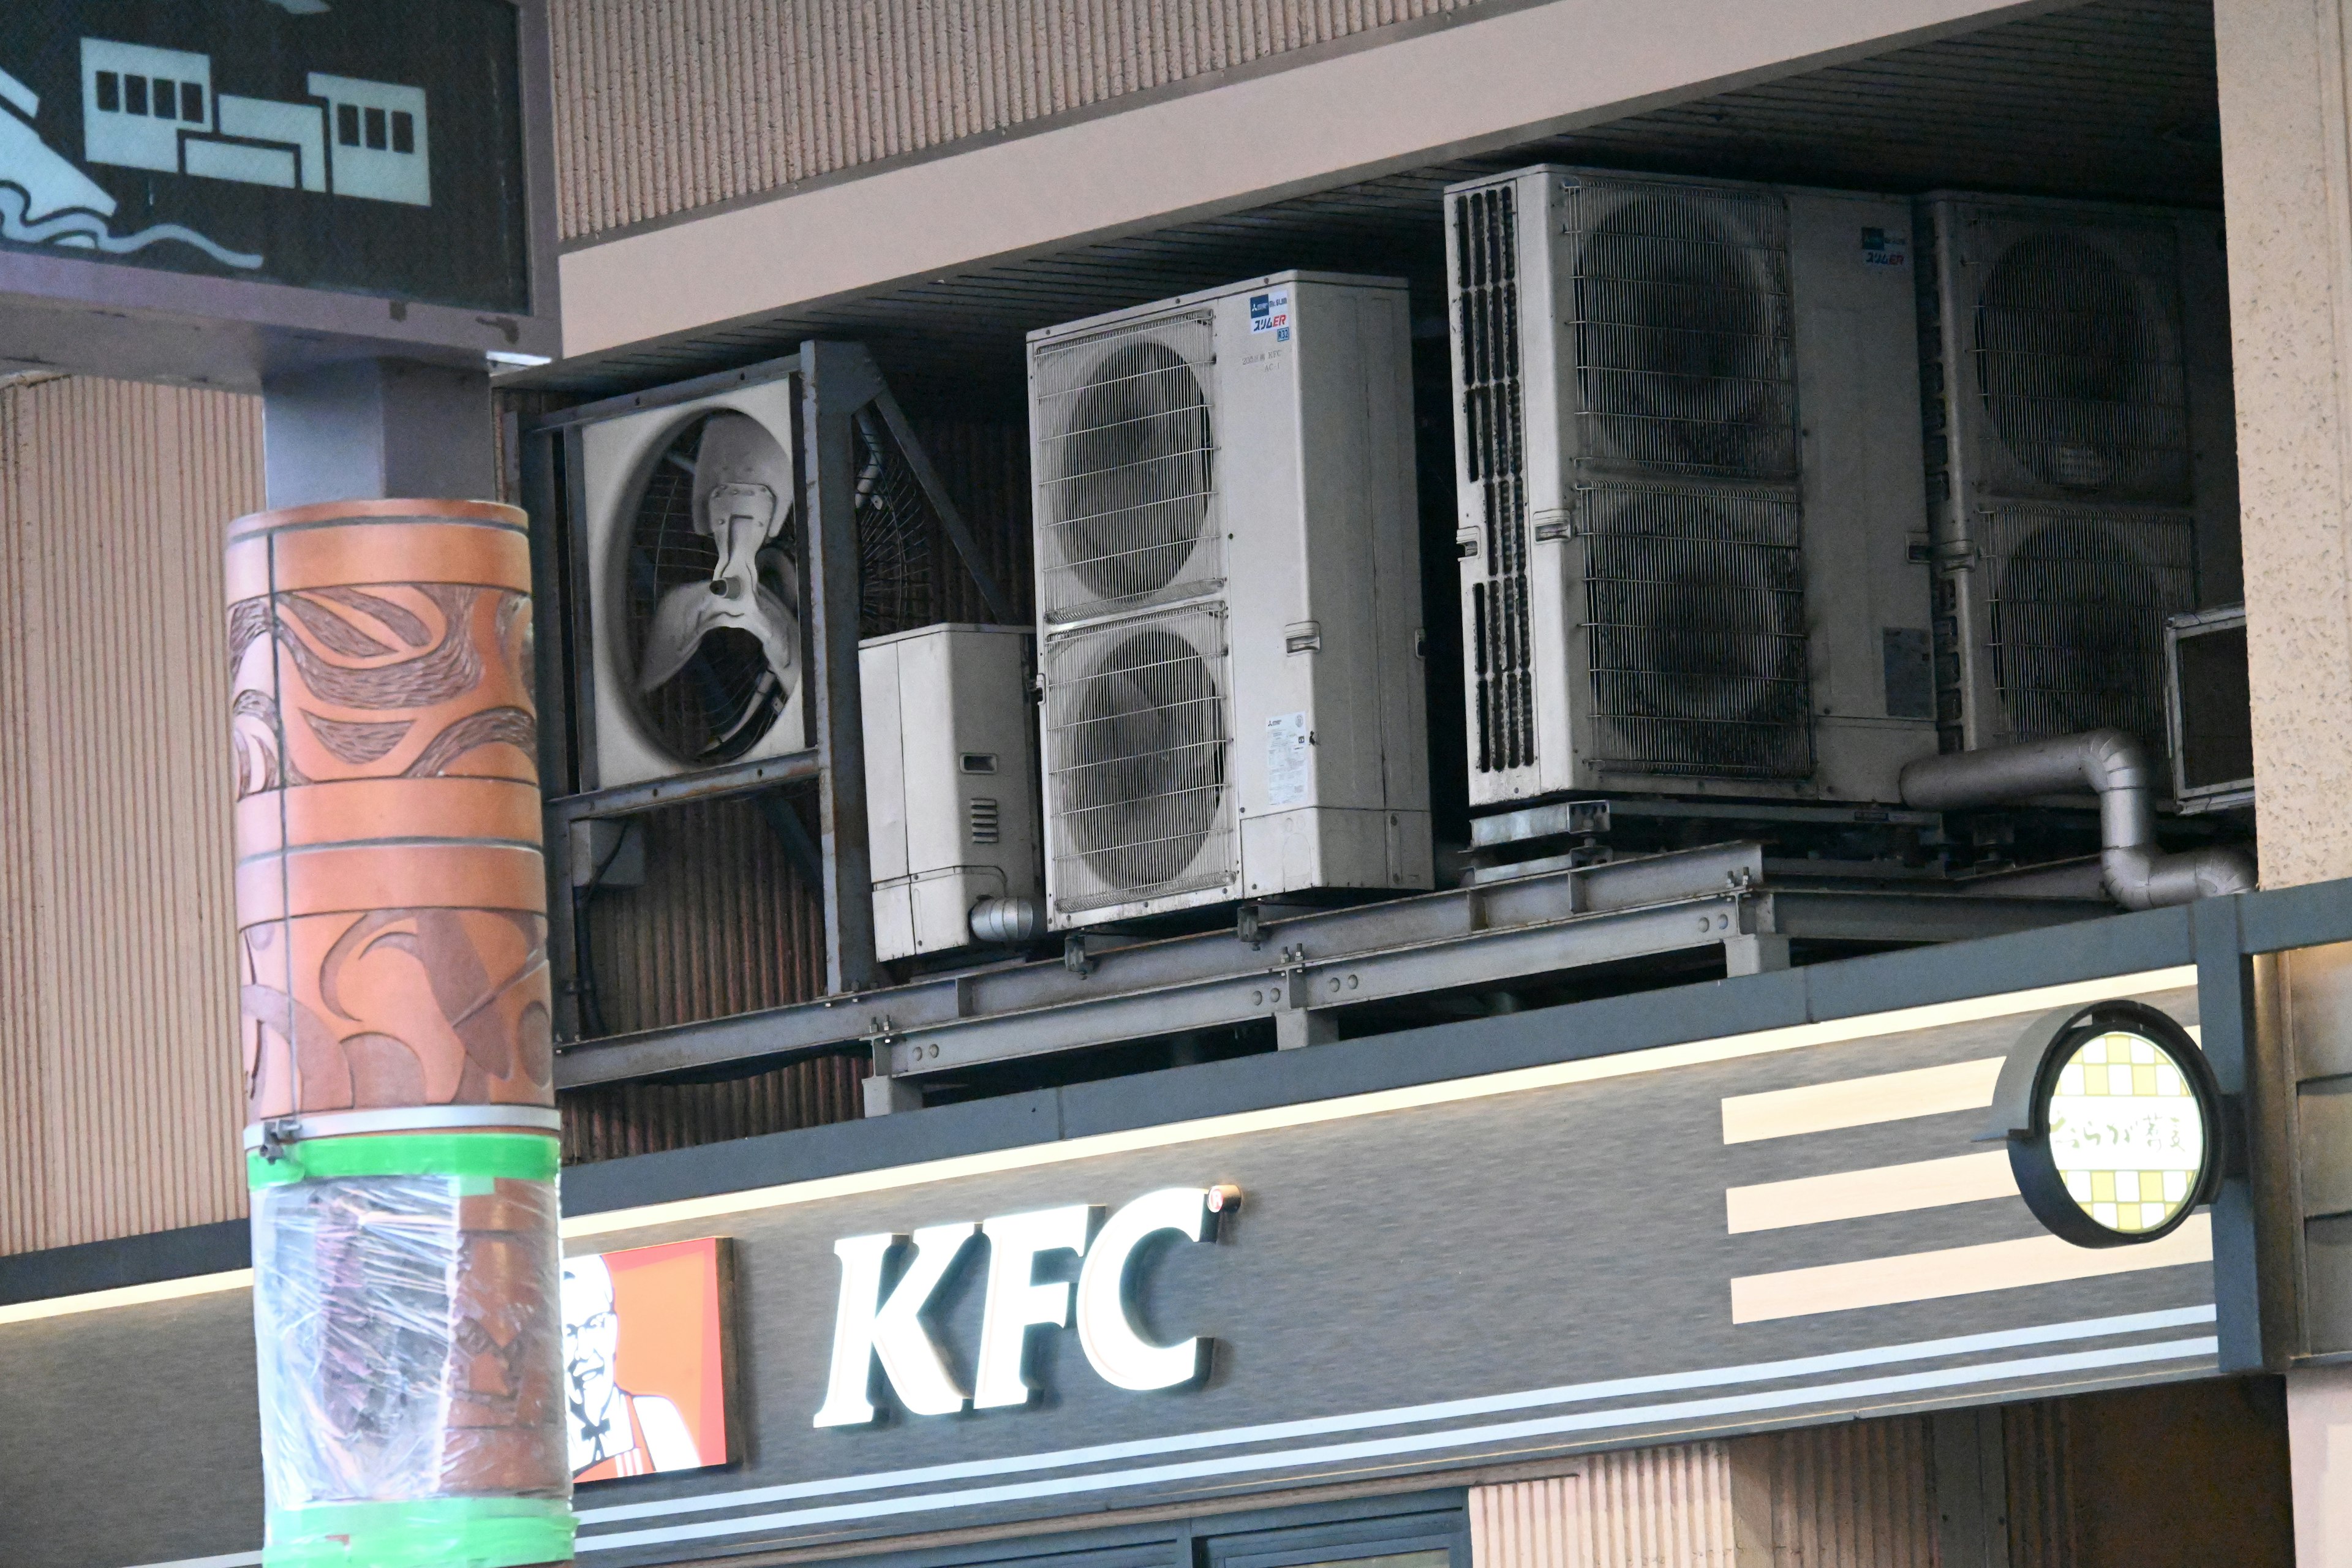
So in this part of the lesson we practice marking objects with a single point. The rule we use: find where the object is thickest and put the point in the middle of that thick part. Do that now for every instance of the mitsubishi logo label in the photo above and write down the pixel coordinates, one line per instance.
(871, 1326)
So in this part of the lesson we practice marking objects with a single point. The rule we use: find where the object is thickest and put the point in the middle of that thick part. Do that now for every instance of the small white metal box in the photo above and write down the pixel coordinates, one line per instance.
(951, 790)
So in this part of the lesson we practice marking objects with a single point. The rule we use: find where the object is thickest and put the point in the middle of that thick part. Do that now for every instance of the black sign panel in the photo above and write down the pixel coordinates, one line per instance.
(363, 146)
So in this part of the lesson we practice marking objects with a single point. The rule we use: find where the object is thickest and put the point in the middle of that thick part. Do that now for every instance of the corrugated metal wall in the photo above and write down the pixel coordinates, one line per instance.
(666, 105)
(1853, 1495)
(119, 1100)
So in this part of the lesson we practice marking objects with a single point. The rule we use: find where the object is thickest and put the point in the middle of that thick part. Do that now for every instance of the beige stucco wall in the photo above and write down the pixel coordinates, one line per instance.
(2284, 167)
(120, 1102)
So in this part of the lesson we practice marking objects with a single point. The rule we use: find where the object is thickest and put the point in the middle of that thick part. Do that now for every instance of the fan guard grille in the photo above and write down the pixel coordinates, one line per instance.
(2078, 362)
(898, 542)
(1125, 461)
(1695, 608)
(698, 716)
(1680, 306)
(2077, 612)
(1487, 274)
(1137, 750)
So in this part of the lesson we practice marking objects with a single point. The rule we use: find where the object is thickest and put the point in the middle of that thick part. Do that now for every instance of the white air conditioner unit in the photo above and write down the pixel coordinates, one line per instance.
(1686, 462)
(951, 789)
(1229, 599)
(691, 541)
(2081, 457)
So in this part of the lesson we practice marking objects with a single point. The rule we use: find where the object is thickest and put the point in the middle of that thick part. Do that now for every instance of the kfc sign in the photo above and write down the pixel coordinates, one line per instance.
(872, 1325)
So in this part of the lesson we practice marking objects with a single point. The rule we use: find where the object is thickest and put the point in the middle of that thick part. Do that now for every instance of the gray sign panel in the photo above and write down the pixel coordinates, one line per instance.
(1694, 1240)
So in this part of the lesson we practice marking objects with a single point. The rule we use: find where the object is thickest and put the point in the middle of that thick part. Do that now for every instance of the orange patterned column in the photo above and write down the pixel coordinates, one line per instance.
(398, 1054)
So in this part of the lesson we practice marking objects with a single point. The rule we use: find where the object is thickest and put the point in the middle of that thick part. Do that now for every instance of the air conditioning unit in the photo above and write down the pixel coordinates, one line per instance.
(951, 789)
(693, 585)
(2209, 710)
(1692, 547)
(2081, 457)
(1229, 599)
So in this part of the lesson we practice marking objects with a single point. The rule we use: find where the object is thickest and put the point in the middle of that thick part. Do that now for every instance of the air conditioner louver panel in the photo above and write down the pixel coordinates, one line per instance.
(2077, 603)
(1126, 453)
(2078, 365)
(1695, 620)
(1679, 305)
(1494, 420)
(1139, 739)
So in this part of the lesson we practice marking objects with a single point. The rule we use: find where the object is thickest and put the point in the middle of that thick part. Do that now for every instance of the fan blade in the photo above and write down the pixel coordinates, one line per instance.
(684, 616)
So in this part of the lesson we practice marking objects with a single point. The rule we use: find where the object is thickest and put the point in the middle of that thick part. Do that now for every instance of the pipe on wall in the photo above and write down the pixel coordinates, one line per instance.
(398, 1058)
(2116, 767)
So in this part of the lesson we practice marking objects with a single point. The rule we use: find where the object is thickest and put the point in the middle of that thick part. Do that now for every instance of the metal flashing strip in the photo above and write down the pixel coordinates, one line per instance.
(1954, 1377)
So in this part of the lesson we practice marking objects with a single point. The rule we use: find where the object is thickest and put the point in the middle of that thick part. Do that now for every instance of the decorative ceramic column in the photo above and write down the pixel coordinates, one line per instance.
(398, 1058)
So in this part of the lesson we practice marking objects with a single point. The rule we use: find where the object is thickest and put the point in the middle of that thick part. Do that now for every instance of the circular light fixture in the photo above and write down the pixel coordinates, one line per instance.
(2113, 1121)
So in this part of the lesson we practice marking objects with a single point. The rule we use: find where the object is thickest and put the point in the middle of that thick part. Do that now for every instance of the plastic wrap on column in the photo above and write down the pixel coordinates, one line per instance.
(398, 1059)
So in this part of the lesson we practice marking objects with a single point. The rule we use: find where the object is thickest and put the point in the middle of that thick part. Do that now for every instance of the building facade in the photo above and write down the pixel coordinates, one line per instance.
(1598, 1179)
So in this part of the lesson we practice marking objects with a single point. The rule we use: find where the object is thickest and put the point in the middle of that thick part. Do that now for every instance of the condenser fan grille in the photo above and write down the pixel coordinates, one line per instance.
(1125, 463)
(897, 529)
(2078, 362)
(1695, 620)
(1680, 308)
(1138, 739)
(2078, 606)
(1486, 273)
(725, 699)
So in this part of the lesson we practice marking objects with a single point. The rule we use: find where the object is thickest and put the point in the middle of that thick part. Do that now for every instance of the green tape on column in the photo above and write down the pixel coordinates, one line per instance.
(433, 1532)
(469, 1156)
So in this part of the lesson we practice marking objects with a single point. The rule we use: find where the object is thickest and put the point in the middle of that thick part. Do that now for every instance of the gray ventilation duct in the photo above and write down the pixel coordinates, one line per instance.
(2116, 767)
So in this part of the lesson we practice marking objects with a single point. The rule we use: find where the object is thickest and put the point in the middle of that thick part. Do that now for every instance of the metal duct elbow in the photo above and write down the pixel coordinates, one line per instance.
(1007, 920)
(2116, 767)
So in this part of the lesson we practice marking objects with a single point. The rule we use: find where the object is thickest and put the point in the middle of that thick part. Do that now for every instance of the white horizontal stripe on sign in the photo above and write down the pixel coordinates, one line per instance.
(128, 1296)
(1888, 1096)
(1957, 1271)
(226, 1560)
(1860, 1101)
(1882, 1189)
(1415, 1414)
(1623, 1416)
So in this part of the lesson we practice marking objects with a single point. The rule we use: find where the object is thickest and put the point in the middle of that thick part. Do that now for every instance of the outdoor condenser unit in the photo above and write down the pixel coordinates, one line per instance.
(693, 585)
(1685, 439)
(1228, 599)
(2080, 451)
(951, 790)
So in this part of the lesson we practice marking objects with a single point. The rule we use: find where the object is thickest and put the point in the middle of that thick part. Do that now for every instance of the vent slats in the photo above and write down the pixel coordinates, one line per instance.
(2079, 598)
(1126, 449)
(1138, 742)
(1494, 459)
(1695, 621)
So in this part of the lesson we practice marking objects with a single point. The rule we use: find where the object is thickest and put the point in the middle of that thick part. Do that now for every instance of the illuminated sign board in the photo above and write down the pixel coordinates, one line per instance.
(645, 1359)
(215, 191)
(352, 145)
(2112, 1120)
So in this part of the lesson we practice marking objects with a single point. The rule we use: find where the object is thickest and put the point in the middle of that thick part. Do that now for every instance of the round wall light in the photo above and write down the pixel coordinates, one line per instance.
(2113, 1122)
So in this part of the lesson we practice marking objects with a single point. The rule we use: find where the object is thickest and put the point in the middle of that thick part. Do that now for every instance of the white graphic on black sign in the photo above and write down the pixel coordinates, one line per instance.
(46, 200)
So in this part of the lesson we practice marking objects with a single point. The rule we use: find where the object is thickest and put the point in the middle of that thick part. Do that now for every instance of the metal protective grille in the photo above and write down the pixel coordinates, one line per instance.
(1679, 304)
(897, 531)
(1138, 742)
(1696, 619)
(1125, 465)
(1486, 337)
(2078, 365)
(2077, 608)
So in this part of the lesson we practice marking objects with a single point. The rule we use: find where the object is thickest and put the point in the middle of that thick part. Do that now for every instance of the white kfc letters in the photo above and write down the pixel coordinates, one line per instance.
(869, 1326)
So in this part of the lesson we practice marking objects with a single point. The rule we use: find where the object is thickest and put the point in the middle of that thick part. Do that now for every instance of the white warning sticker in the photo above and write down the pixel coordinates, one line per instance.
(1286, 741)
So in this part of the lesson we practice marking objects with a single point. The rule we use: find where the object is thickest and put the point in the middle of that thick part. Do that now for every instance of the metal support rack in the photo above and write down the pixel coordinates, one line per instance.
(1301, 972)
